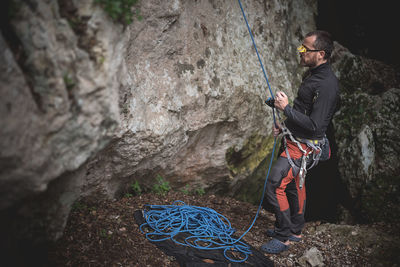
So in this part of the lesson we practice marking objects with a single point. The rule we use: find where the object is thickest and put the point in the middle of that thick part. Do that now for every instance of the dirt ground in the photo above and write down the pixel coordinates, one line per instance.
(104, 233)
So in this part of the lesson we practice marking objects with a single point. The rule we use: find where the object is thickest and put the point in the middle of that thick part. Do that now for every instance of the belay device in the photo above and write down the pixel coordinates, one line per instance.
(270, 102)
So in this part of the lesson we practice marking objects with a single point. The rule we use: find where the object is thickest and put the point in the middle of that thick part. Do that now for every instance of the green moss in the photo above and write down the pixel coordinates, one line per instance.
(352, 75)
(120, 10)
(352, 116)
(252, 161)
(245, 160)
(68, 81)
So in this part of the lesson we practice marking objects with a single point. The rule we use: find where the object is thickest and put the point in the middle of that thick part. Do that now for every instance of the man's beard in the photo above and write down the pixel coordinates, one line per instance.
(309, 64)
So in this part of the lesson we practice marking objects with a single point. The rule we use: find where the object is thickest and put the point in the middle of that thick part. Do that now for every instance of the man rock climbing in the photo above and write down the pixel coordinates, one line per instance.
(303, 140)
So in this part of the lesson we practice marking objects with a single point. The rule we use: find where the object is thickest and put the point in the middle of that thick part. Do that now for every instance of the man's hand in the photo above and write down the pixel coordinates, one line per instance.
(276, 131)
(281, 100)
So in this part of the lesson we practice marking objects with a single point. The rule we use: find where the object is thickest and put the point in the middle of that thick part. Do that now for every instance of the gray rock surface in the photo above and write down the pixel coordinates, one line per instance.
(59, 102)
(312, 257)
(88, 105)
(197, 91)
(367, 128)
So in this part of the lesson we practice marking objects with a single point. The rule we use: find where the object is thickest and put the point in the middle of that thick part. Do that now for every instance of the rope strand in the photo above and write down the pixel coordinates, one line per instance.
(255, 47)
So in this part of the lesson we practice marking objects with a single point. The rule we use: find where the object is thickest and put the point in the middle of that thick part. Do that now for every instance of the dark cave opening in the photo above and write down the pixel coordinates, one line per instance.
(366, 28)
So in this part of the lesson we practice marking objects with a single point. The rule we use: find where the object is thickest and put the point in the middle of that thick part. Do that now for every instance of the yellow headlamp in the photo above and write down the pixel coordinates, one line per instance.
(301, 49)
(304, 49)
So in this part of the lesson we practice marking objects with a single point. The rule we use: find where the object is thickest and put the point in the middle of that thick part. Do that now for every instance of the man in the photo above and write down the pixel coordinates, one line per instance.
(304, 131)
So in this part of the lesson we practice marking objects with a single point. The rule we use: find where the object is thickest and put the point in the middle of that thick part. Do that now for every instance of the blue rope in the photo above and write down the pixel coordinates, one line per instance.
(254, 44)
(206, 228)
(259, 59)
(203, 228)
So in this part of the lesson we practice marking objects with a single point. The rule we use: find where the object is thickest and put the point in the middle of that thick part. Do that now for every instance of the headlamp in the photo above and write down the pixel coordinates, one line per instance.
(301, 49)
(304, 49)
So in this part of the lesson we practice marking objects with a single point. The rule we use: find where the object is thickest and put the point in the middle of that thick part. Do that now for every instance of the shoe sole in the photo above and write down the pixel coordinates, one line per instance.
(293, 238)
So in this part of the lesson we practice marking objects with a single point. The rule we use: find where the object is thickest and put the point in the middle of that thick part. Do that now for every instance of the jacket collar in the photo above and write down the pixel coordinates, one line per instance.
(319, 68)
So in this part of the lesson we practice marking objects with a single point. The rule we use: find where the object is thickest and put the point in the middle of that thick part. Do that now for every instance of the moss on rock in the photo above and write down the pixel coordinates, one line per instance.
(250, 155)
(250, 161)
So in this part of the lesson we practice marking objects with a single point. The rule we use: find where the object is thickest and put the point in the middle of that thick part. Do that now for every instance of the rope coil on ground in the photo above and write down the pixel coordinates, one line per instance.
(201, 228)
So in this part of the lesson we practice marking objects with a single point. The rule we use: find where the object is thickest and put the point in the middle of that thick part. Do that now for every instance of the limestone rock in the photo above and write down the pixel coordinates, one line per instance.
(197, 94)
(312, 257)
(367, 134)
(59, 102)
(88, 105)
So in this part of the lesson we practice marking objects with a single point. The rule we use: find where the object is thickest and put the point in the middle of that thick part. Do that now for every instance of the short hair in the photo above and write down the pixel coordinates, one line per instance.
(323, 41)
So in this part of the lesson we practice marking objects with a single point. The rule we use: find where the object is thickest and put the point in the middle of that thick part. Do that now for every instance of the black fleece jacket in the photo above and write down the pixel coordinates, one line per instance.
(315, 104)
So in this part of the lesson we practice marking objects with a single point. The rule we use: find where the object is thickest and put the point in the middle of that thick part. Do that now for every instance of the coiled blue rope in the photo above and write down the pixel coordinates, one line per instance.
(201, 227)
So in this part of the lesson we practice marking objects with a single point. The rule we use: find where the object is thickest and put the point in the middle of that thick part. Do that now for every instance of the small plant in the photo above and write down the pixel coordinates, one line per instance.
(78, 206)
(91, 209)
(101, 60)
(128, 195)
(120, 10)
(200, 191)
(103, 233)
(138, 16)
(161, 187)
(136, 188)
(185, 190)
(68, 81)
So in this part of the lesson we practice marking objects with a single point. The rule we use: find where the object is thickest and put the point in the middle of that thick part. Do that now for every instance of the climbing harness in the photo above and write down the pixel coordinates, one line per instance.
(302, 170)
(317, 148)
(203, 228)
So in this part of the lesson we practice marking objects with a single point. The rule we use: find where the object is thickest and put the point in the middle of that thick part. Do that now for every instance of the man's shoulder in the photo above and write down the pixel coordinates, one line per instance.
(326, 78)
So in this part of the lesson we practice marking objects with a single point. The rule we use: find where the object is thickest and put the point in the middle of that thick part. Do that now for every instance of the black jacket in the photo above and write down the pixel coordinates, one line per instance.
(315, 104)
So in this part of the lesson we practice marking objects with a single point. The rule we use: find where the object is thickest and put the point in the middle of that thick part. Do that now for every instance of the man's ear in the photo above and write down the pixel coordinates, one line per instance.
(322, 53)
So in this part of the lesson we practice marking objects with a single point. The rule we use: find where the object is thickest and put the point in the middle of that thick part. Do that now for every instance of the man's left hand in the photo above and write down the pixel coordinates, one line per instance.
(281, 100)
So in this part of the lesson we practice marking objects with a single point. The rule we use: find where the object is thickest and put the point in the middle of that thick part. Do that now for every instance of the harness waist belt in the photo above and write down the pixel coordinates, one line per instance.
(315, 142)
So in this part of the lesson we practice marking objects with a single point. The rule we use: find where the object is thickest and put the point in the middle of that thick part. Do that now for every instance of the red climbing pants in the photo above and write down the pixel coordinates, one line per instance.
(284, 197)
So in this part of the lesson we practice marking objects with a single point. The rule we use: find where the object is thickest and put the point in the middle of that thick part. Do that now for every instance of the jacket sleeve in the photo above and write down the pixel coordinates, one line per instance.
(319, 117)
(300, 119)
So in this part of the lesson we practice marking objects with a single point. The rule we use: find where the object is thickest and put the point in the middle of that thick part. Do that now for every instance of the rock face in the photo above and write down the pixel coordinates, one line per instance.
(61, 70)
(60, 76)
(367, 134)
(88, 105)
(197, 94)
